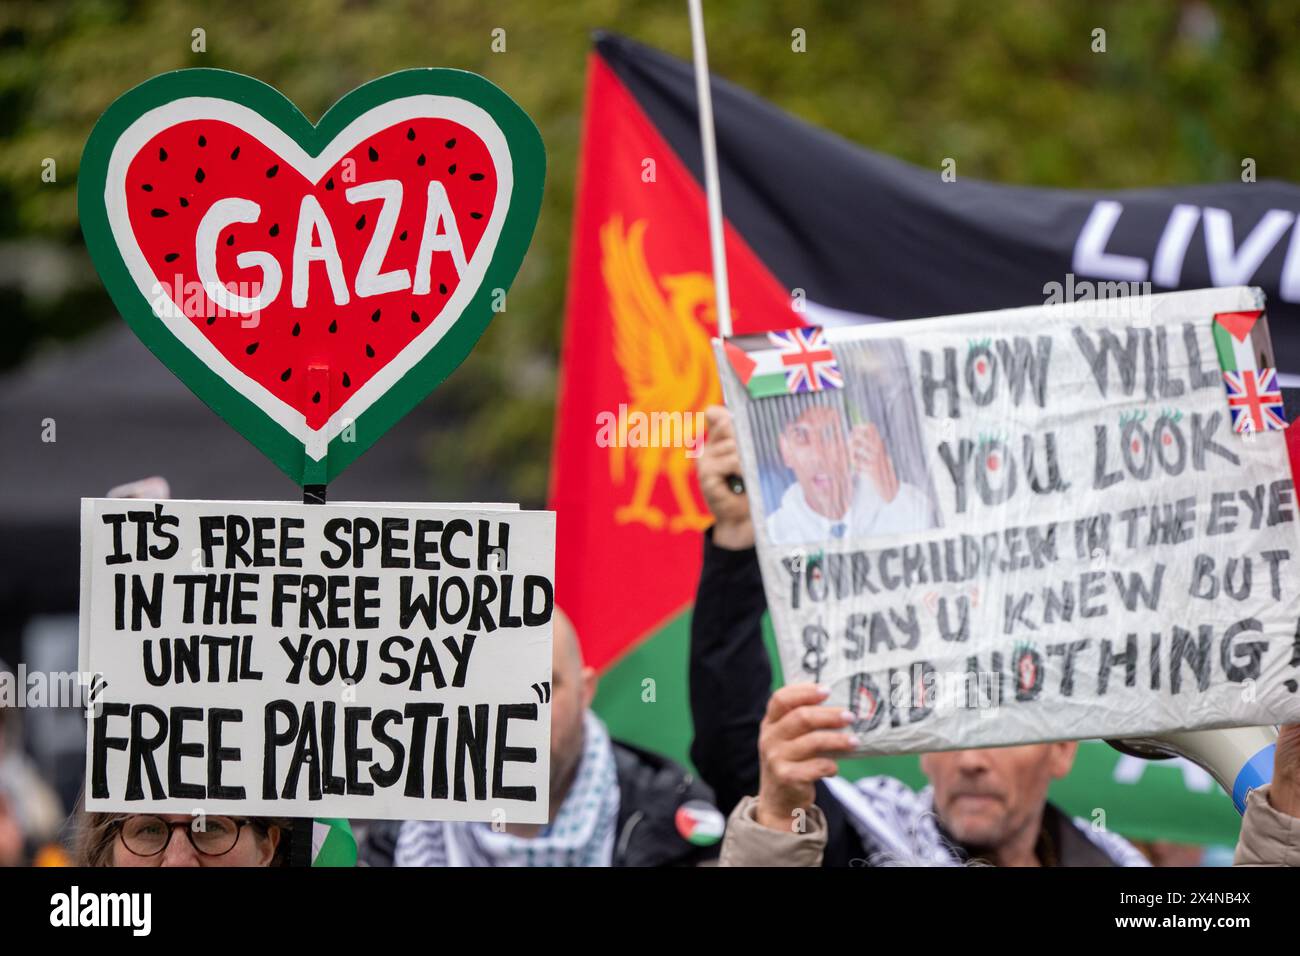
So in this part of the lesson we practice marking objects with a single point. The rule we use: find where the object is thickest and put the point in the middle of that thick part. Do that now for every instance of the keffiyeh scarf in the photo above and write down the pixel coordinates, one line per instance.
(582, 833)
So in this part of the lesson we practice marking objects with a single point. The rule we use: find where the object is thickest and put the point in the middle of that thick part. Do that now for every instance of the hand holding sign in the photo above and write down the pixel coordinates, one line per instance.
(796, 742)
(719, 460)
(1284, 793)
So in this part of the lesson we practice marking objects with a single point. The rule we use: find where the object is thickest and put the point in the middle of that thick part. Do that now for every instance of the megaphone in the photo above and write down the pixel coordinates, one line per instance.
(1239, 758)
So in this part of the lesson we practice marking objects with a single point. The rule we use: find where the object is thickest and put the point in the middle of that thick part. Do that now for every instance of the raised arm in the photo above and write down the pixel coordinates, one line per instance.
(730, 677)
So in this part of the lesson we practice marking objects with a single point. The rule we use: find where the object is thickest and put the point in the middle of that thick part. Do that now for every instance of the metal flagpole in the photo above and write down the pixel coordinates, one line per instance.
(712, 190)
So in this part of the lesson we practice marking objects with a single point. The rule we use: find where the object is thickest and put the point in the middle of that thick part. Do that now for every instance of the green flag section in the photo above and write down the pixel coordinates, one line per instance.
(644, 700)
(332, 843)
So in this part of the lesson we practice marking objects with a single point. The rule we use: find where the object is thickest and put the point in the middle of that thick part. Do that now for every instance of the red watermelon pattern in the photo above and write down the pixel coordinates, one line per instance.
(314, 357)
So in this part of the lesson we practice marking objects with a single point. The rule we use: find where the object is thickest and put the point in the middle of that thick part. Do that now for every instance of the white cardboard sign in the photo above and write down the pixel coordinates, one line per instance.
(1025, 525)
(345, 660)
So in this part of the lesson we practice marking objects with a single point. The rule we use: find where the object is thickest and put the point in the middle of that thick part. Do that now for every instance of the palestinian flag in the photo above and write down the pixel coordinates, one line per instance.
(819, 232)
(1242, 342)
(332, 843)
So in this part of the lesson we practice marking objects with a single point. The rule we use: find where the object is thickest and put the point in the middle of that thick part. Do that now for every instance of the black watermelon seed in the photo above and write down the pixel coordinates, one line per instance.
(234, 153)
(402, 237)
(184, 202)
(146, 187)
(442, 288)
(370, 352)
(374, 316)
(374, 155)
(410, 133)
(451, 143)
(275, 230)
(476, 176)
(415, 316)
(171, 257)
(200, 175)
(334, 326)
(157, 213)
(315, 399)
(451, 170)
(211, 319)
(361, 223)
(420, 161)
(329, 183)
(284, 376)
(347, 382)
(270, 173)
(203, 141)
(248, 351)
(296, 329)
(230, 239)
(476, 215)
(162, 155)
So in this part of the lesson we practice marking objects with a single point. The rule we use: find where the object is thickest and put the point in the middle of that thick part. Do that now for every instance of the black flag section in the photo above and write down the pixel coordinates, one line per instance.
(868, 234)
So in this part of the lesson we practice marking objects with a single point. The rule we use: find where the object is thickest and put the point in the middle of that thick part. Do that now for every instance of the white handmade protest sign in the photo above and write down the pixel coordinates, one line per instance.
(1059, 522)
(346, 660)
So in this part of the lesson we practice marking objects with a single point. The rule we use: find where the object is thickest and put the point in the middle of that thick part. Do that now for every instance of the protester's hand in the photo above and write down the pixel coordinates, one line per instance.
(719, 458)
(870, 458)
(796, 746)
(1284, 793)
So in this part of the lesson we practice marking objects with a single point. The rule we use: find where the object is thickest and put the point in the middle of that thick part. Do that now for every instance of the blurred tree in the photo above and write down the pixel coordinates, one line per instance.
(1010, 88)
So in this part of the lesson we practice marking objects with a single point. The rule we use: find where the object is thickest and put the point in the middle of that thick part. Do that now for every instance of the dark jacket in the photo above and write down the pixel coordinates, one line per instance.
(651, 790)
(731, 680)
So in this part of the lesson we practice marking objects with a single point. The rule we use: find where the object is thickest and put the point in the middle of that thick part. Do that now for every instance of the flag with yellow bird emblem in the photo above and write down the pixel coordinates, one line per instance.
(637, 373)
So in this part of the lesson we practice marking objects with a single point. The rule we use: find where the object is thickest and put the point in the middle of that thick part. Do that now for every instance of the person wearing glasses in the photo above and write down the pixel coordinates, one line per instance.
(179, 839)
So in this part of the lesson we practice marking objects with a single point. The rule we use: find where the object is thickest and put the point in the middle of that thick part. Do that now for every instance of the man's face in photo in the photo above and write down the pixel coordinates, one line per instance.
(813, 446)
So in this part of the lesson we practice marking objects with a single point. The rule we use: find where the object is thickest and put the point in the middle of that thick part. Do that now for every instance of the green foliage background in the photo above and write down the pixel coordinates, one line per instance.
(1011, 89)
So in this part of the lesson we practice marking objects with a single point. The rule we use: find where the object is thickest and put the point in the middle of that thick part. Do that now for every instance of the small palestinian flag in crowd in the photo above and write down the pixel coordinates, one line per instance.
(785, 363)
(332, 843)
(1249, 375)
(700, 823)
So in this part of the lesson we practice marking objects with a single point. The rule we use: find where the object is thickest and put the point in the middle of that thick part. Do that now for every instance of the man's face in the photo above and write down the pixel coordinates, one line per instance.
(572, 687)
(813, 447)
(987, 798)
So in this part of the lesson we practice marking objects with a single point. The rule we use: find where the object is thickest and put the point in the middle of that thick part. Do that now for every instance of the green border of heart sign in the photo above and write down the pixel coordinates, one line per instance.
(527, 155)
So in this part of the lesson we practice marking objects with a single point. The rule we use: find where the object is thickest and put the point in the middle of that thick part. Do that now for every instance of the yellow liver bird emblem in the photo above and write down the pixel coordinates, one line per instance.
(661, 341)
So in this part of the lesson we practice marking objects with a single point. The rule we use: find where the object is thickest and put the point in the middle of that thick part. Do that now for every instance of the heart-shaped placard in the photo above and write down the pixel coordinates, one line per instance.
(311, 283)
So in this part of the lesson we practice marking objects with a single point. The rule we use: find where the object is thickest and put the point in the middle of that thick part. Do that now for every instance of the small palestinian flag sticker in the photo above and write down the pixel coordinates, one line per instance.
(1245, 352)
(699, 822)
(1242, 341)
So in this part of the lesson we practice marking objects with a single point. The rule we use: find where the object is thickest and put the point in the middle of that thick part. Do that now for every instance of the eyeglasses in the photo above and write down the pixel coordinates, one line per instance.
(148, 835)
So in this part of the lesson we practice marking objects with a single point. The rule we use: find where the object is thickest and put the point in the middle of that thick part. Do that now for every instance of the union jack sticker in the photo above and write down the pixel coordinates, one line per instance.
(807, 359)
(1255, 400)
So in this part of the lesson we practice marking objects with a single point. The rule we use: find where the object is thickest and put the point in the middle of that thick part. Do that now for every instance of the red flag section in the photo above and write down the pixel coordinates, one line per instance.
(636, 372)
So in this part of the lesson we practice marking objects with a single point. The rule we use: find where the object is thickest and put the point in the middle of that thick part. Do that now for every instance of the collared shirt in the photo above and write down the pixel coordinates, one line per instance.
(795, 522)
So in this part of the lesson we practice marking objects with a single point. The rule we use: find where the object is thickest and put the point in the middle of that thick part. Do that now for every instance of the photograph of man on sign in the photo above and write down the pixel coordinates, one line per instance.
(845, 464)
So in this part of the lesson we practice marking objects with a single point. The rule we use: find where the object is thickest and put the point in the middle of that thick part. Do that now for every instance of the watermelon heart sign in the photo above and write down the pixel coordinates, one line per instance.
(311, 283)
